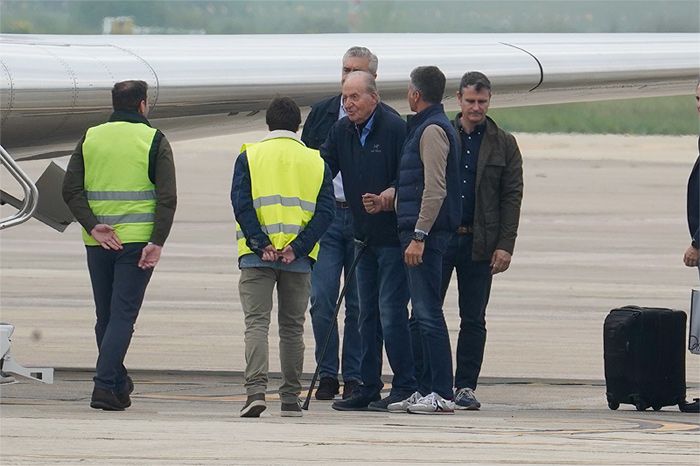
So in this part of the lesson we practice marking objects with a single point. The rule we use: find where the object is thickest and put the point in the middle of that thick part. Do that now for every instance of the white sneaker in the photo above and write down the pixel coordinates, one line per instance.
(432, 404)
(402, 406)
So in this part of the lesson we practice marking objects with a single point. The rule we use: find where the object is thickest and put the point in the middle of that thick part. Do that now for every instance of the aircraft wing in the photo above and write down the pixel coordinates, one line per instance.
(52, 88)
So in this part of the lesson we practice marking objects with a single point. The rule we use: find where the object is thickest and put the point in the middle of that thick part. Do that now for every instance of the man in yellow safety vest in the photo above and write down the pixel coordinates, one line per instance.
(120, 186)
(282, 198)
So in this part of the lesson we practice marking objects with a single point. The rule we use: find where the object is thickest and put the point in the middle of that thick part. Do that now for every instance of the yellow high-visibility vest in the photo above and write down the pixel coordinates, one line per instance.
(285, 179)
(117, 186)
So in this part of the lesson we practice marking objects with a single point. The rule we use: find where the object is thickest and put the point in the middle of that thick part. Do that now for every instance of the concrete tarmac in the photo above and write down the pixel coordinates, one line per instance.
(603, 225)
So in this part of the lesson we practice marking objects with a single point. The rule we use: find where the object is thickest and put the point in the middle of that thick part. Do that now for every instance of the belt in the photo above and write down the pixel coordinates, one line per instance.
(341, 204)
(465, 230)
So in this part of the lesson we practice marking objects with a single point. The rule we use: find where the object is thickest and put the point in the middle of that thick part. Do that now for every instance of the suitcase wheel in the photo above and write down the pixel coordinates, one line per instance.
(657, 407)
(613, 405)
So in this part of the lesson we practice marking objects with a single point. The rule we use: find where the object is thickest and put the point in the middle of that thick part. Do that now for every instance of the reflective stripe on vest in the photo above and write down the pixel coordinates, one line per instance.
(120, 195)
(126, 218)
(285, 178)
(117, 186)
(284, 201)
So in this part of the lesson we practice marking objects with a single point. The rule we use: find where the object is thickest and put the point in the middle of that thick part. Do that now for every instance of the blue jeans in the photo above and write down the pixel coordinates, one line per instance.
(474, 285)
(428, 327)
(118, 286)
(381, 279)
(336, 253)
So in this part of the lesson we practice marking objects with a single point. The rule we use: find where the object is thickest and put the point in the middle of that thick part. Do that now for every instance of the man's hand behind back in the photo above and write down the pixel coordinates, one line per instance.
(287, 255)
(106, 236)
(269, 253)
(150, 255)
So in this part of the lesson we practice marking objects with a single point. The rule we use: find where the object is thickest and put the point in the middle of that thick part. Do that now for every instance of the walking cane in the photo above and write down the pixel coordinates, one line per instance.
(362, 245)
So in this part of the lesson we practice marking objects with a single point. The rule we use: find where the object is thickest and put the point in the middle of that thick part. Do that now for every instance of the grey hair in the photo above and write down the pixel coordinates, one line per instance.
(370, 82)
(363, 52)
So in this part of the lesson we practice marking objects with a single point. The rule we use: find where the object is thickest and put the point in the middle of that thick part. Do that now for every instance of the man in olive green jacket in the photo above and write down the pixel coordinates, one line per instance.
(492, 190)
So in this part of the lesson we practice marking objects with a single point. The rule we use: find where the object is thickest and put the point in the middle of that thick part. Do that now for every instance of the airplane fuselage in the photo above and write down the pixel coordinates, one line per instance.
(54, 87)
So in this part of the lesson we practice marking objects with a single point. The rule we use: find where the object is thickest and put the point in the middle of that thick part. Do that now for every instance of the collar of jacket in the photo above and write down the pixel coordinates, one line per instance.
(334, 106)
(420, 117)
(376, 114)
(282, 133)
(457, 123)
(131, 117)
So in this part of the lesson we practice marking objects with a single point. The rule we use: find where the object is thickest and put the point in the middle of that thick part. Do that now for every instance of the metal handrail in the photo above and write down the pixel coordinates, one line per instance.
(31, 194)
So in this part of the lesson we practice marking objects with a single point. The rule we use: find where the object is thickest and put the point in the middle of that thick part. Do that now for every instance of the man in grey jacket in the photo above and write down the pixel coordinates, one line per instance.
(492, 190)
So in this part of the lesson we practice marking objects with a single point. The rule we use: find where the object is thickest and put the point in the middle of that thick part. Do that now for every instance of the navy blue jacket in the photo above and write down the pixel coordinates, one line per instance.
(256, 238)
(693, 205)
(368, 169)
(324, 114)
(411, 174)
(322, 117)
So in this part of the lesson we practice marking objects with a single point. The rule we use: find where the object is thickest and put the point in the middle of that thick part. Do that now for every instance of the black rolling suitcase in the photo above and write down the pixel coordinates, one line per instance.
(644, 352)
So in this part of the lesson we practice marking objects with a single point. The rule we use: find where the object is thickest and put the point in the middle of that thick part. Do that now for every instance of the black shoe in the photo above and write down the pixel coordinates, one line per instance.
(254, 405)
(290, 410)
(358, 402)
(693, 407)
(349, 388)
(107, 400)
(383, 404)
(123, 397)
(129, 385)
(328, 388)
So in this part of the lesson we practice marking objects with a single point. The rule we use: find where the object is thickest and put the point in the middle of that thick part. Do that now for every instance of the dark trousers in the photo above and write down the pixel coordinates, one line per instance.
(474, 285)
(383, 289)
(337, 253)
(118, 286)
(430, 339)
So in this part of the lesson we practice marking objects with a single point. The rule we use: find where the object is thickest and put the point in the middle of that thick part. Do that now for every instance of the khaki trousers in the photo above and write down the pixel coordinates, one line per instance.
(255, 288)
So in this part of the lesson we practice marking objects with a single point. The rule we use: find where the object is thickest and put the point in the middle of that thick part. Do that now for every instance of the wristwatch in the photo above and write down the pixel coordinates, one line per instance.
(419, 236)
(694, 244)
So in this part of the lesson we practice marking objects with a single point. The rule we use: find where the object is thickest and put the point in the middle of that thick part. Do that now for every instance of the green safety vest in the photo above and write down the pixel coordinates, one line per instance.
(285, 179)
(117, 185)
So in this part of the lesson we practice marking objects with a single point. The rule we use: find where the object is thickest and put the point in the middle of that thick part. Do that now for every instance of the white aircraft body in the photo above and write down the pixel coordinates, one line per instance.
(53, 87)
